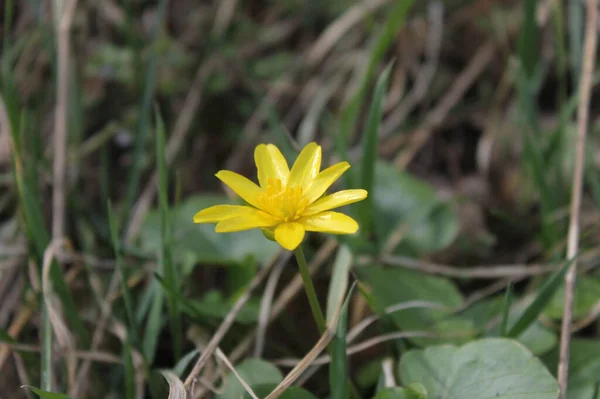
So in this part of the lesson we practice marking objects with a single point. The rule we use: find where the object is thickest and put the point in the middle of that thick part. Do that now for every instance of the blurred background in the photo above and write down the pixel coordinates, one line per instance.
(465, 109)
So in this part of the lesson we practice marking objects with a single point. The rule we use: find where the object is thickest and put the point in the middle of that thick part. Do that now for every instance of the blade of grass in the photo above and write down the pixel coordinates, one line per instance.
(382, 42)
(154, 322)
(171, 272)
(129, 372)
(339, 281)
(528, 44)
(133, 181)
(338, 368)
(370, 141)
(506, 312)
(544, 296)
(132, 335)
(45, 394)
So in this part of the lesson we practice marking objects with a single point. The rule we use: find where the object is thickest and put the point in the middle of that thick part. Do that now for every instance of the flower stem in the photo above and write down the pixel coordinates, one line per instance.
(315, 307)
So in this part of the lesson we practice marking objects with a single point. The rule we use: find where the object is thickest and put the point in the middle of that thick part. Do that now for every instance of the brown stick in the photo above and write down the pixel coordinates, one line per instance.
(585, 86)
(65, 20)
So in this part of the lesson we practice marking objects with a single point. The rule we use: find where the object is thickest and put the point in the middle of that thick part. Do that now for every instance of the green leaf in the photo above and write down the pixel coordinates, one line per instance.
(339, 281)
(412, 391)
(129, 373)
(185, 361)
(263, 390)
(154, 321)
(253, 372)
(506, 312)
(45, 394)
(201, 241)
(391, 286)
(528, 38)
(543, 297)
(171, 271)
(587, 295)
(485, 369)
(370, 140)
(404, 203)
(338, 368)
(132, 335)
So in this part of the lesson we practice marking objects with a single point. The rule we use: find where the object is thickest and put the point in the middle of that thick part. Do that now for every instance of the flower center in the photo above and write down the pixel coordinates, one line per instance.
(283, 203)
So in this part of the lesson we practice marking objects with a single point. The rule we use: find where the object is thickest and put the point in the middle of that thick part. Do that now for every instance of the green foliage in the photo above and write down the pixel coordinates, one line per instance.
(483, 369)
(45, 394)
(427, 224)
(254, 372)
(391, 286)
(412, 391)
(338, 368)
(201, 242)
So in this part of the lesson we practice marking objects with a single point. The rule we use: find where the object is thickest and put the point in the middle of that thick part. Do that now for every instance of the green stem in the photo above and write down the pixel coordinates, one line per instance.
(315, 307)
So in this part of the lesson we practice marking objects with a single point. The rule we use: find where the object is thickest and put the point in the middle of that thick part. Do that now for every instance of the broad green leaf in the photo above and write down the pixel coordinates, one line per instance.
(403, 202)
(587, 296)
(253, 372)
(485, 369)
(391, 286)
(45, 394)
(263, 390)
(201, 240)
(412, 391)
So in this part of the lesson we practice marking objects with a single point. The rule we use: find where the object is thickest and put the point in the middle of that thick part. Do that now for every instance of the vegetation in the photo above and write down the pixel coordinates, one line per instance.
(464, 121)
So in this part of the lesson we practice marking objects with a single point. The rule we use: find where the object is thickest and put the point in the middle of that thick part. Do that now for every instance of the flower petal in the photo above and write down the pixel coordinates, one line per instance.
(336, 200)
(324, 180)
(221, 212)
(270, 164)
(243, 187)
(289, 235)
(306, 167)
(245, 222)
(330, 222)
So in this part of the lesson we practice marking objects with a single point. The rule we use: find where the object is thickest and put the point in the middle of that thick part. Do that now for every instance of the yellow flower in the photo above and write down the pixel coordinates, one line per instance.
(288, 202)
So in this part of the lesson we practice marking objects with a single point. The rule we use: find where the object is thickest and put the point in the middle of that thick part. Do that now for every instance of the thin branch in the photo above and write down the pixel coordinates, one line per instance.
(480, 272)
(589, 56)
(65, 20)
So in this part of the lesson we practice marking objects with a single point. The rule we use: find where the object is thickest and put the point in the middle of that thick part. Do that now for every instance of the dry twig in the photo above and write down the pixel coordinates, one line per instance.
(589, 56)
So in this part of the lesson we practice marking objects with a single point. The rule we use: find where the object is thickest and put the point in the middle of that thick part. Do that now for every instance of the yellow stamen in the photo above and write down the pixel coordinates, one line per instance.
(283, 203)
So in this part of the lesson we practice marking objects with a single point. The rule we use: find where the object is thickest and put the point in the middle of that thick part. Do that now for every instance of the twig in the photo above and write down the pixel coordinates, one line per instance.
(97, 356)
(65, 20)
(589, 56)
(480, 272)
(224, 16)
(224, 359)
(227, 323)
(266, 304)
(362, 346)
